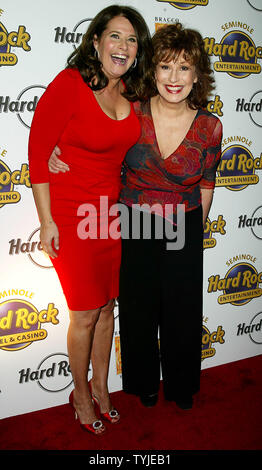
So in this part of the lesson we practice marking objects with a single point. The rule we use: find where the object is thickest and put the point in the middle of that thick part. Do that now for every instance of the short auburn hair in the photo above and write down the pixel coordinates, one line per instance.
(168, 42)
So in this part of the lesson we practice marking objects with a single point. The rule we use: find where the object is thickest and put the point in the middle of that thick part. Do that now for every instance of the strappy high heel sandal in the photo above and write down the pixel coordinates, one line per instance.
(112, 416)
(96, 427)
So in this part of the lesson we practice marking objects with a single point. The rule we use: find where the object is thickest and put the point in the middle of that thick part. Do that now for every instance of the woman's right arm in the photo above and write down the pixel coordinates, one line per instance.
(49, 234)
(50, 119)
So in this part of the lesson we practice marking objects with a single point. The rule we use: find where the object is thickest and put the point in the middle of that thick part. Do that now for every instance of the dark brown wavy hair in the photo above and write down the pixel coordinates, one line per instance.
(136, 79)
(168, 42)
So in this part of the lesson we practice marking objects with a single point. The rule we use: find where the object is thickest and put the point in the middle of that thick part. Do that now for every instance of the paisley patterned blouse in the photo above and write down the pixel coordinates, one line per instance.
(147, 178)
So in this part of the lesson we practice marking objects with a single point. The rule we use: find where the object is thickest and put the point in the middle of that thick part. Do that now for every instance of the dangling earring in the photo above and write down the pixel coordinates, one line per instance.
(134, 63)
(96, 55)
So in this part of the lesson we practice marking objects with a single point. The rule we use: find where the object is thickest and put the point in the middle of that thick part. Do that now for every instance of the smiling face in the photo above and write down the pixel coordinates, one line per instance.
(117, 47)
(175, 79)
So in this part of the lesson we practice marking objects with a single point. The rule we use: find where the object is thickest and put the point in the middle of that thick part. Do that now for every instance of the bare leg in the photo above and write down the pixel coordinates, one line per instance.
(79, 340)
(100, 355)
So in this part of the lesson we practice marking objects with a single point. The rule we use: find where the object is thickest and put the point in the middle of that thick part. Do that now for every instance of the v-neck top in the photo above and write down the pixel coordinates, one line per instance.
(148, 178)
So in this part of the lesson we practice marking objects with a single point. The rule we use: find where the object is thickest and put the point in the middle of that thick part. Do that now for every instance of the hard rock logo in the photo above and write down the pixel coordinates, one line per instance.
(21, 323)
(19, 38)
(239, 285)
(186, 4)
(237, 53)
(237, 167)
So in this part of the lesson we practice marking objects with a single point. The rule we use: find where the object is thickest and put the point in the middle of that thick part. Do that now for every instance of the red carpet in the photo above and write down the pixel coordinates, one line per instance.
(227, 415)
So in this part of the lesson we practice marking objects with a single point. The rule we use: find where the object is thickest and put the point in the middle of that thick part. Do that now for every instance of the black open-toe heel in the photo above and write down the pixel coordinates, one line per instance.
(149, 400)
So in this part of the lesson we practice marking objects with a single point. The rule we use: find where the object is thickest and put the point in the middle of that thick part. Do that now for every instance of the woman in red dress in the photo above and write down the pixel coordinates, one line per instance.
(87, 112)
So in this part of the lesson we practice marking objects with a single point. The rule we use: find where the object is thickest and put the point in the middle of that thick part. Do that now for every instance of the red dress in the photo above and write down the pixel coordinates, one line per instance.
(94, 146)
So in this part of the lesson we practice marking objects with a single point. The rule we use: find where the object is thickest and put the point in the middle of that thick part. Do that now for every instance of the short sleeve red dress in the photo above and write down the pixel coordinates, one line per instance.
(94, 146)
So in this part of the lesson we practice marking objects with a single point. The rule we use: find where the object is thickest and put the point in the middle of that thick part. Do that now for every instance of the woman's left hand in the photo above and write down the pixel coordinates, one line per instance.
(55, 165)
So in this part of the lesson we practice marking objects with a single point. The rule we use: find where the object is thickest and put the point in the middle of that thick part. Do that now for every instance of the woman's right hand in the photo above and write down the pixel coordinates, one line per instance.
(55, 165)
(49, 234)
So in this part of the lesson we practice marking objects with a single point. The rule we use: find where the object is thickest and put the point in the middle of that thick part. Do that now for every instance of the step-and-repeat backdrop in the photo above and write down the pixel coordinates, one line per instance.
(35, 40)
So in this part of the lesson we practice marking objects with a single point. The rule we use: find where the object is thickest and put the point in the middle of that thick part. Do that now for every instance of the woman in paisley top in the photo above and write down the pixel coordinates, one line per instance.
(174, 162)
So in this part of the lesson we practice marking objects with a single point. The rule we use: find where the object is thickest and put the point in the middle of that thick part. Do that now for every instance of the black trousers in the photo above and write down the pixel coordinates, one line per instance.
(160, 312)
